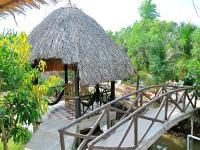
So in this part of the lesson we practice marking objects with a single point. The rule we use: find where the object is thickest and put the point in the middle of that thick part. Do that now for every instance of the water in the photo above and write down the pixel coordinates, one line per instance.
(170, 142)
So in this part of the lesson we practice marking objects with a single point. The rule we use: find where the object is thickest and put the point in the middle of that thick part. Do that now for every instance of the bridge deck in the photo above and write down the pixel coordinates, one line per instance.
(112, 141)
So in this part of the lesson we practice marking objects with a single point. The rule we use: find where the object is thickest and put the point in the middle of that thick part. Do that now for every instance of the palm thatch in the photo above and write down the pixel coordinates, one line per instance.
(74, 37)
(18, 6)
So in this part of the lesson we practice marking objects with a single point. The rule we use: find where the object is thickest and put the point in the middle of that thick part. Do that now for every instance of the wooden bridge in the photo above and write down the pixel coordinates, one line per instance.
(141, 119)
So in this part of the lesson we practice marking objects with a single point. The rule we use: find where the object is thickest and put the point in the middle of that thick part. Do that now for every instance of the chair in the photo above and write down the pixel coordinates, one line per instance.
(84, 90)
(69, 94)
(105, 96)
(88, 102)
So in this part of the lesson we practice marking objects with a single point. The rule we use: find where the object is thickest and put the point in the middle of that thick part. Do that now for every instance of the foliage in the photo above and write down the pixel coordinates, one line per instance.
(196, 44)
(13, 146)
(159, 50)
(146, 48)
(121, 37)
(54, 83)
(194, 74)
(147, 10)
(21, 102)
(179, 49)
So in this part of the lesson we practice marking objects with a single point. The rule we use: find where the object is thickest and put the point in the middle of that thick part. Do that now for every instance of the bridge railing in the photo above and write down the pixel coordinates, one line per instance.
(180, 98)
(135, 100)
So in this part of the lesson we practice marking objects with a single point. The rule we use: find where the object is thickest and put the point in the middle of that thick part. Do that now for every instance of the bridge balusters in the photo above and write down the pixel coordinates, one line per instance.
(108, 117)
(166, 107)
(62, 142)
(176, 96)
(126, 132)
(195, 101)
(141, 99)
(136, 131)
(184, 100)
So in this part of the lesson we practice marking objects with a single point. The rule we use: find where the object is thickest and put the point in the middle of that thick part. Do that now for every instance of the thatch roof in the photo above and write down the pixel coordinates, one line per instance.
(71, 35)
(18, 6)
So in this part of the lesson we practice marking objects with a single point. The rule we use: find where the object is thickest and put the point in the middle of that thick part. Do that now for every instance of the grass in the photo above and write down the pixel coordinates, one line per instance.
(13, 146)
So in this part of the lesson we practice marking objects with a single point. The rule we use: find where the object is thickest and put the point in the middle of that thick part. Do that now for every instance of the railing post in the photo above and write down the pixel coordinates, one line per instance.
(141, 99)
(166, 107)
(184, 99)
(176, 96)
(192, 131)
(108, 118)
(195, 101)
(137, 99)
(62, 141)
(136, 131)
(192, 125)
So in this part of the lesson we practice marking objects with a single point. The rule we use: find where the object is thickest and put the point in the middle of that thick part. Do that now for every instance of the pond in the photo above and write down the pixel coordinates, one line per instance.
(170, 142)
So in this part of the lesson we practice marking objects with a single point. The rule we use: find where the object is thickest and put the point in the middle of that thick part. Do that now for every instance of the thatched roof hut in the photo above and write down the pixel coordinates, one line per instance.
(18, 6)
(75, 38)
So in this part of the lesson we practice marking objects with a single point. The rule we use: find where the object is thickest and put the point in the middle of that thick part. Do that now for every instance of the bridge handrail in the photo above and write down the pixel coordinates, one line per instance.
(107, 107)
(134, 117)
(112, 102)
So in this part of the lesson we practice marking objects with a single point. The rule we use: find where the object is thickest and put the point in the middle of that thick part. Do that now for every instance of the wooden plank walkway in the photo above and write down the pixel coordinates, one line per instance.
(47, 137)
(154, 133)
(150, 113)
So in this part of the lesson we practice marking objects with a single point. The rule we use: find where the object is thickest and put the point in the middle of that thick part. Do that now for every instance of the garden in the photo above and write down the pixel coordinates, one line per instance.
(160, 52)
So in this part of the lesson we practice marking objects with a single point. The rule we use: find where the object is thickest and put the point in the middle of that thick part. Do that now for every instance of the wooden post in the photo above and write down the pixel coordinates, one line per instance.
(192, 125)
(108, 118)
(112, 90)
(192, 132)
(77, 96)
(62, 141)
(136, 131)
(97, 96)
(141, 99)
(66, 73)
(166, 108)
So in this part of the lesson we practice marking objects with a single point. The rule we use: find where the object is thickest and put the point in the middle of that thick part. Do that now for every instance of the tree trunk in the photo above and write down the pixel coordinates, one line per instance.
(5, 144)
(4, 139)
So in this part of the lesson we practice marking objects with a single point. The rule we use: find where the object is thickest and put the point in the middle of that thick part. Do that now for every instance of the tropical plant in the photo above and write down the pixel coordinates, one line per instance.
(147, 10)
(21, 102)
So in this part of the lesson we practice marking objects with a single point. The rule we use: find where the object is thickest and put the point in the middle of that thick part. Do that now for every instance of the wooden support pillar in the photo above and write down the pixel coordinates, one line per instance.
(77, 95)
(97, 93)
(66, 73)
(112, 90)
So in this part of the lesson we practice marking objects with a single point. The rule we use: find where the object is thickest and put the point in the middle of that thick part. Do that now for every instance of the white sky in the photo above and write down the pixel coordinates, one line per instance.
(111, 14)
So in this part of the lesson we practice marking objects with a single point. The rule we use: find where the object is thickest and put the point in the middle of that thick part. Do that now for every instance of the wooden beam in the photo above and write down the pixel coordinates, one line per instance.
(97, 93)
(66, 73)
(77, 95)
(112, 90)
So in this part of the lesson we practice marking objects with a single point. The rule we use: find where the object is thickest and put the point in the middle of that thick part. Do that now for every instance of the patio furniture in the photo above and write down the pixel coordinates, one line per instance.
(84, 90)
(105, 95)
(87, 102)
(69, 94)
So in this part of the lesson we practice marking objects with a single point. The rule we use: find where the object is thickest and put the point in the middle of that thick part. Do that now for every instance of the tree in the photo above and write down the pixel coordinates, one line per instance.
(179, 49)
(194, 64)
(196, 44)
(21, 102)
(121, 37)
(146, 48)
(147, 10)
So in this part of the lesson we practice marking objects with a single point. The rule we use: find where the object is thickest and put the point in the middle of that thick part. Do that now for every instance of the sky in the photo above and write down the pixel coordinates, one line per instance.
(110, 14)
